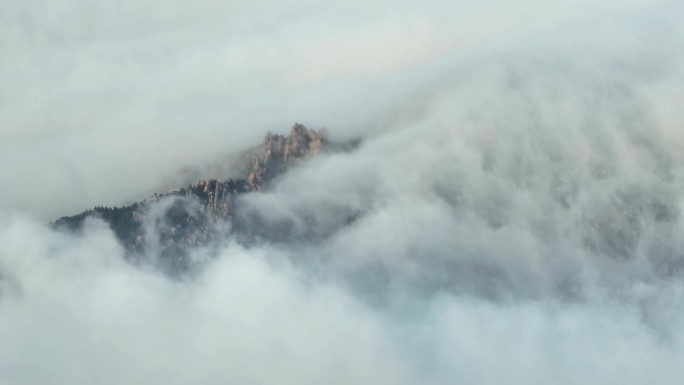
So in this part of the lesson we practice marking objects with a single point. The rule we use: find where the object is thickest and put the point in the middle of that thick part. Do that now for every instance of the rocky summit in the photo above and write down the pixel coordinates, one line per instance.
(170, 225)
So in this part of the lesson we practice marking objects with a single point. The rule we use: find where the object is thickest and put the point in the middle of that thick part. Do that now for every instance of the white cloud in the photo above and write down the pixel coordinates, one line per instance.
(513, 214)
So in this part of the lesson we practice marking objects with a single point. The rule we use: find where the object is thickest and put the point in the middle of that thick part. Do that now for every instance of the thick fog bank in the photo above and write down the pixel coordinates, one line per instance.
(74, 312)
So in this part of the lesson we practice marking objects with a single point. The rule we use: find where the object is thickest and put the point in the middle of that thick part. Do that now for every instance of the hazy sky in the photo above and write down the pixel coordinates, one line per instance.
(518, 192)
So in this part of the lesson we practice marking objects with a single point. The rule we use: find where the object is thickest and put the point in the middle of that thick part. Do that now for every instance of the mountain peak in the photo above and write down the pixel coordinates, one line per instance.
(278, 150)
(190, 215)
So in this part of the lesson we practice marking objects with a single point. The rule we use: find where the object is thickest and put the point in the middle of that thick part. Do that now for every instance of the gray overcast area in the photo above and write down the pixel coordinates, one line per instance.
(518, 192)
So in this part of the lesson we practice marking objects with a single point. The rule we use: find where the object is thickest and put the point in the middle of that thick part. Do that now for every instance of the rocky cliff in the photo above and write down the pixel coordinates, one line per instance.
(169, 225)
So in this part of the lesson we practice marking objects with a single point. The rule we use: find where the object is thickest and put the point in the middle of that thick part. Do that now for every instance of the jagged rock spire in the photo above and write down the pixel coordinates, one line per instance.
(277, 150)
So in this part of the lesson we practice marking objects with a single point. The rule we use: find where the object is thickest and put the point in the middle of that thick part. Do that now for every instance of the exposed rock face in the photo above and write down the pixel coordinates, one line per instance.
(279, 150)
(171, 225)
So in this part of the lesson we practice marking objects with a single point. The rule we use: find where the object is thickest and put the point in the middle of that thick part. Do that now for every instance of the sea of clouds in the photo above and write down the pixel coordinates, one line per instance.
(512, 215)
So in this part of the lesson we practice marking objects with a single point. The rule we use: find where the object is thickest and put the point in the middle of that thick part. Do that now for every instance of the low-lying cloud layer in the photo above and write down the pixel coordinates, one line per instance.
(513, 214)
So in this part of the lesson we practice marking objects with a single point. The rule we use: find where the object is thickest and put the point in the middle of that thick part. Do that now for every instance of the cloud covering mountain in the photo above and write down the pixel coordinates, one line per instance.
(515, 202)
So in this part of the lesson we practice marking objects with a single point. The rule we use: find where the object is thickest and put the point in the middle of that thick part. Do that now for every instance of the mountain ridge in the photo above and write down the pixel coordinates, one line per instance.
(174, 223)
